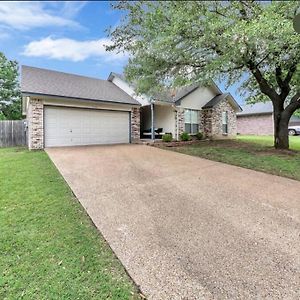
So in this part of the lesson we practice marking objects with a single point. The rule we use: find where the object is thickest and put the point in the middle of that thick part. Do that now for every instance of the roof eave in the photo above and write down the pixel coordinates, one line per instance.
(242, 114)
(111, 76)
(223, 96)
(161, 102)
(25, 93)
(238, 107)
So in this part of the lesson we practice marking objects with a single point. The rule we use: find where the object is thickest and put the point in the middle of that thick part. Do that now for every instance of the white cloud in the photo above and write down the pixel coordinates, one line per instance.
(72, 8)
(28, 15)
(69, 49)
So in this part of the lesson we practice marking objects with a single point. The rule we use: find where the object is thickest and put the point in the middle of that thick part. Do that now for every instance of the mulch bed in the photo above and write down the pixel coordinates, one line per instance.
(257, 149)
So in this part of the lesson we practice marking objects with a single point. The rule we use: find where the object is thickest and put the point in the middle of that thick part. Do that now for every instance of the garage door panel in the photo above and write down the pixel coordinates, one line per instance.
(72, 126)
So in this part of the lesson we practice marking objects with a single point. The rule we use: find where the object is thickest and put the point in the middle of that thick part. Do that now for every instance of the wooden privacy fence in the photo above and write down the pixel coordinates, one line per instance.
(13, 133)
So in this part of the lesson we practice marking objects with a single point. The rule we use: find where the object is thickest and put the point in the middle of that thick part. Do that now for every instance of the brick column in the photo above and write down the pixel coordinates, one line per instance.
(207, 122)
(179, 122)
(135, 124)
(35, 124)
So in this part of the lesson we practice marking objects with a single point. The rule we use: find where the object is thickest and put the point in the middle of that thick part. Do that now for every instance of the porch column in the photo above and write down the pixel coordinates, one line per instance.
(152, 122)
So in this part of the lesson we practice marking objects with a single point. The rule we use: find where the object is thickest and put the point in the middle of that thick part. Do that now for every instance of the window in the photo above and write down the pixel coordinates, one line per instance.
(225, 122)
(191, 121)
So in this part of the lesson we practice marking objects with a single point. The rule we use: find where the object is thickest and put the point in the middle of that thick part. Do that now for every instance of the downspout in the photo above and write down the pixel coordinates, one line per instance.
(152, 120)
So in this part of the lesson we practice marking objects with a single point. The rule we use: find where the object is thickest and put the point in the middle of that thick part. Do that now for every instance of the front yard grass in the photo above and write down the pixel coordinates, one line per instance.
(269, 140)
(49, 249)
(250, 152)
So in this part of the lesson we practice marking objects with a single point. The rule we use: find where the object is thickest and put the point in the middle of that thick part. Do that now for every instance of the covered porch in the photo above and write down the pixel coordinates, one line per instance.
(157, 119)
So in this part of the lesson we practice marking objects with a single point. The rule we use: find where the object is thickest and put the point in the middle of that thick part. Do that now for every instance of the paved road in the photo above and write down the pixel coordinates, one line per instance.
(190, 228)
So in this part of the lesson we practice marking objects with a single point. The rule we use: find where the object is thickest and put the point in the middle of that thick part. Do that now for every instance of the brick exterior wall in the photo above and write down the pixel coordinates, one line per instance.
(200, 121)
(217, 130)
(211, 122)
(206, 122)
(135, 124)
(35, 119)
(179, 122)
(255, 124)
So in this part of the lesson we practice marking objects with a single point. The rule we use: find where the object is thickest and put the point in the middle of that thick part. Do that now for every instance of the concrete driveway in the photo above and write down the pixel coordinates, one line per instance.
(190, 228)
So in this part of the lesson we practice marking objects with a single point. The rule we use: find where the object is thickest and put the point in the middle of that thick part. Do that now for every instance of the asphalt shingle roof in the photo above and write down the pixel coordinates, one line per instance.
(215, 100)
(257, 108)
(176, 95)
(54, 83)
(168, 96)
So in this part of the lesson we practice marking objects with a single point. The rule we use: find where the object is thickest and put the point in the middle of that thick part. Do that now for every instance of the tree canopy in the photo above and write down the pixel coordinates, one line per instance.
(10, 96)
(173, 43)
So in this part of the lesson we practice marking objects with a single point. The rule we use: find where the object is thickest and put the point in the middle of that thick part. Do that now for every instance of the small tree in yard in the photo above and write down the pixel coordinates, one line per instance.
(253, 43)
(10, 96)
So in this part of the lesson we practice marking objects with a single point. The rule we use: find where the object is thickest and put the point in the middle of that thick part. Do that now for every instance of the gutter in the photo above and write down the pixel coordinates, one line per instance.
(78, 98)
(253, 114)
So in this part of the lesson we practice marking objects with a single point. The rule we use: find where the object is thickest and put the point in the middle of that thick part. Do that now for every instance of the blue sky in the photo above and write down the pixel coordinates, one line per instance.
(64, 36)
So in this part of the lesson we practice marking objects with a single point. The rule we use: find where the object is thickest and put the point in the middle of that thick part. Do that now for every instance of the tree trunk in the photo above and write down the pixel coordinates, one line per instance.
(281, 135)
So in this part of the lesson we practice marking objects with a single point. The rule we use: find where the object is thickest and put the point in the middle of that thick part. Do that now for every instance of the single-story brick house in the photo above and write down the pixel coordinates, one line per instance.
(257, 119)
(66, 110)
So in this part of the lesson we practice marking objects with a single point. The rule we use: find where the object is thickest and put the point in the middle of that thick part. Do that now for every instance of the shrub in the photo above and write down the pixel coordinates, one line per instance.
(2, 116)
(199, 135)
(185, 136)
(167, 137)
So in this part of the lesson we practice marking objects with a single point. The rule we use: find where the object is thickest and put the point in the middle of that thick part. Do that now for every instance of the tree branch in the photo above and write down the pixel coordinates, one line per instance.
(218, 13)
(296, 97)
(262, 60)
(232, 69)
(278, 73)
(293, 106)
(290, 73)
(265, 87)
(284, 84)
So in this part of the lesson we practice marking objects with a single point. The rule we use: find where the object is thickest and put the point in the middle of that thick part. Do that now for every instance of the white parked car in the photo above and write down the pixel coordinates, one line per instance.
(294, 130)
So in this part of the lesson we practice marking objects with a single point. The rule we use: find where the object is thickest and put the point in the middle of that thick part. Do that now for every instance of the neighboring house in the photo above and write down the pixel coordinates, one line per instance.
(66, 109)
(257, 119)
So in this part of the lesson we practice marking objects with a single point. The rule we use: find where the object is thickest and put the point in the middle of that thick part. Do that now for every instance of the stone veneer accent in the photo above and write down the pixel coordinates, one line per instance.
(35, 119)
(200, 121)
(212, 121)
(180, 115)
(135, 124)
(206, 122)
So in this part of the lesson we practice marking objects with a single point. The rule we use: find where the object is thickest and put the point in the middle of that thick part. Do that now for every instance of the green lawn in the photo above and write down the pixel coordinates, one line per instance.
(269, 140)
(49, 249)
(250, 152)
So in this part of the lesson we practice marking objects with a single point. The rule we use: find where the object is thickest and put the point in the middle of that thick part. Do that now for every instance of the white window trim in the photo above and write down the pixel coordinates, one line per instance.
(197, 111)
(225, 122)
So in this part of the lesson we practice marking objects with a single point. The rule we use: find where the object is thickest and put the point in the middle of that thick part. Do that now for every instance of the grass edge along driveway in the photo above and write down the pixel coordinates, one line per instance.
(251, 152)
(49, 246)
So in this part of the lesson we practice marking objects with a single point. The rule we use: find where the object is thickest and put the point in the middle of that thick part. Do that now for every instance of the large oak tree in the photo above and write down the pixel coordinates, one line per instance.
(173, 43)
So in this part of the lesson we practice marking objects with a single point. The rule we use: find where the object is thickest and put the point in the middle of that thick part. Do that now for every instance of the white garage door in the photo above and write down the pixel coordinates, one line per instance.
(77, 126)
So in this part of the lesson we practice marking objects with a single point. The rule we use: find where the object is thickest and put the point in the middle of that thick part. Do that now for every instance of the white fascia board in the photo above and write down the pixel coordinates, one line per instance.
(123, 85)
